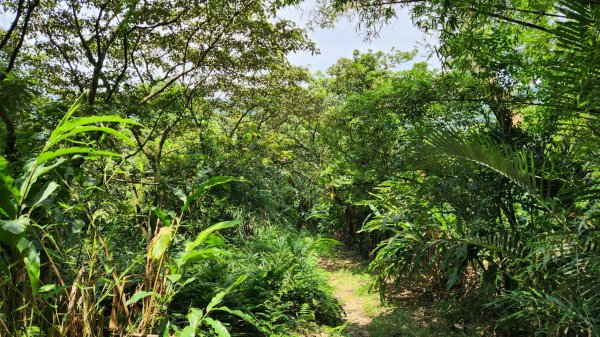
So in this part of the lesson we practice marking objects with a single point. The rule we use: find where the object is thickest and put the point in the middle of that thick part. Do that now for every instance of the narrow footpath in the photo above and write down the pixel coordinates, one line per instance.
(366, 316)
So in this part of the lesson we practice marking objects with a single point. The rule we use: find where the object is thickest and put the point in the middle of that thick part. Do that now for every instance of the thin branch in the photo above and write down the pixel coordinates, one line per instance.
(516, 21)
(122, 73)
(13, 25)
(67, 60)
(97, 28)
(13, 57)
(84, 42)
(200, 59)
(240, 120)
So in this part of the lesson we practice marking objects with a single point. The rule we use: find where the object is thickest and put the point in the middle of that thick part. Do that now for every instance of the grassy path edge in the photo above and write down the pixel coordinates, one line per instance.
(366, 316)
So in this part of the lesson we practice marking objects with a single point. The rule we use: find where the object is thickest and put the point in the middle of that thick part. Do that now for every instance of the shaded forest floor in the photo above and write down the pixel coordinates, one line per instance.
(406, 314)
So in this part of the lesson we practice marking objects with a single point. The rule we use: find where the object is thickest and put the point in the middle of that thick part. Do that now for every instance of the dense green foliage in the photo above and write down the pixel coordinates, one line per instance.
(496, 194)
(165, 170)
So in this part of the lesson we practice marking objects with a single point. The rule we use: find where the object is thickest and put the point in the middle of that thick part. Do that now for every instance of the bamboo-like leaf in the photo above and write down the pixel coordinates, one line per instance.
(194, 318)
(218, 298)
(160, 243)
(140, 295)
(44, 157)
(218, 327)
(42, 169)
(31, 172)
(8, 192)
(205, 233)
(68, 115)
(47, 288)
(212, 182)
(238, 313)
(44, 193)
(82, 121)
(31, 259)
(83, 129)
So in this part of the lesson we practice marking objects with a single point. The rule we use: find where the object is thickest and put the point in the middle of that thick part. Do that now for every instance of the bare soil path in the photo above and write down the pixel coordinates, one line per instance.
(349, 287)
(366, 316)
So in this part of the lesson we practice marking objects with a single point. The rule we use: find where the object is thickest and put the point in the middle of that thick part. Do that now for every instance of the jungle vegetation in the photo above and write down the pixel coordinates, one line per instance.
(166, 170)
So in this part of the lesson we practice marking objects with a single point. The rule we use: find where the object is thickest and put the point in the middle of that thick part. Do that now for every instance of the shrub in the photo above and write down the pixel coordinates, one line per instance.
(284, 291)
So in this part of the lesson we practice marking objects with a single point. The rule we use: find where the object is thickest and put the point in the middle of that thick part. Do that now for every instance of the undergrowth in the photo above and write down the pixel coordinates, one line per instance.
(285, 290)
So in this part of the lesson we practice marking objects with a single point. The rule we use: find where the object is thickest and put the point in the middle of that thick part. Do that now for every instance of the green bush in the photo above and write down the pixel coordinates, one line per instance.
(284, 290)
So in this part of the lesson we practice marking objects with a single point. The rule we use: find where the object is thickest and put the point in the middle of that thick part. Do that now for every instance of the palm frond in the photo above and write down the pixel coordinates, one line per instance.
(518, 166)
(577, 76)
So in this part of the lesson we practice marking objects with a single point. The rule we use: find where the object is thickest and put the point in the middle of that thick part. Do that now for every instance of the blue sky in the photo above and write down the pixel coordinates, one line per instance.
(342, 40)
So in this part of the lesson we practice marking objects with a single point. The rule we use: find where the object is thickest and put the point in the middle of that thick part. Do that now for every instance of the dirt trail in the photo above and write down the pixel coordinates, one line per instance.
(348, 282)
(407, 315)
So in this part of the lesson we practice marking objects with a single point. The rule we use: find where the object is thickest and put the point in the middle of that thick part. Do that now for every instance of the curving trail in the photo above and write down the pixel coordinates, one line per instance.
(348, 280)
(407, 315)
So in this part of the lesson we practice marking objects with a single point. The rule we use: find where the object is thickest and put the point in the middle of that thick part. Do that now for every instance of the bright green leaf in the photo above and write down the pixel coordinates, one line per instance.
(205, 233)
(218, 327)
(44, 193)
(194, 317)
(69, 113)
(31, 259)
(188, 331)
(8, 192)
(82, 129)
(44, 157)
(166, 219)
(212, 182)
(141, 295)
(239, 314)
(83, 121)
(15, 227)
(160, 243)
